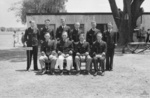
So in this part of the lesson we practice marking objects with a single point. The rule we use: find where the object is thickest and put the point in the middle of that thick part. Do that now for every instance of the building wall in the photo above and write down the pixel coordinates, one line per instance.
(71, 19)
(85, 19)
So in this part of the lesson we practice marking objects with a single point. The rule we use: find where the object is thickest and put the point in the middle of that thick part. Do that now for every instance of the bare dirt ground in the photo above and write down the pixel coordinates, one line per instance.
(130, 78)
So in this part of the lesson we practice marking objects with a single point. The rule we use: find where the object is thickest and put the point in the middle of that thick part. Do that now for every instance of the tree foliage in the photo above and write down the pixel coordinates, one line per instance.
(37, 6)
(126, 19)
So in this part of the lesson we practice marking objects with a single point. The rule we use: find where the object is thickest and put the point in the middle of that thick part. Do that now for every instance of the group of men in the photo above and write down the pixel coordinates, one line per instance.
(69, 48)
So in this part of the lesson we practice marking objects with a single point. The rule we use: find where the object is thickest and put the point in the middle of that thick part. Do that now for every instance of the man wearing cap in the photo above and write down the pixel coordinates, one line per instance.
(62, 28)
(64, 50)
(82, 51)
(99, 49)
(110, 37)
(31, 38)
(48, 54)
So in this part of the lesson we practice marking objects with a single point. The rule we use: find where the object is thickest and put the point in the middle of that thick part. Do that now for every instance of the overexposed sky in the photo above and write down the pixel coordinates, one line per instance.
(8, 19)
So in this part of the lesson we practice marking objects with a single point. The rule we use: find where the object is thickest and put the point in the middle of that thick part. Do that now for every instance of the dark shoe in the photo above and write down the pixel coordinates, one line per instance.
(88, 73)
(78, 74)
(43, 72)
(36, 69)
(111, 70)
(107, 69)
(95, 74)
(61, 73)
(103, 73)
(69, 73)
(52, 73)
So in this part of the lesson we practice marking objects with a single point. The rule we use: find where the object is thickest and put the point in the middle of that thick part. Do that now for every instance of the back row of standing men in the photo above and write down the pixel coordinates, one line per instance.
(71, 46)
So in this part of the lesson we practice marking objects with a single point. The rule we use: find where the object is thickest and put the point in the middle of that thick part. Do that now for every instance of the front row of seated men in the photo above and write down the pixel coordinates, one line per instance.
(56, 53)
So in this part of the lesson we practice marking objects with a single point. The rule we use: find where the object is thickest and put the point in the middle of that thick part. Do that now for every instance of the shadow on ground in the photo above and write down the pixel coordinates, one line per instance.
(13, 55)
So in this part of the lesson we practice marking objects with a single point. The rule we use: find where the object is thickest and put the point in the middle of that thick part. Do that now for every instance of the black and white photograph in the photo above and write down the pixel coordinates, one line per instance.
(75, 49)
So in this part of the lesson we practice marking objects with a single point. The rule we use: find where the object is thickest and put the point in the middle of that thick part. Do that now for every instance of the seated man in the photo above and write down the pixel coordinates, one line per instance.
(99, 49)
(82, 50)
(64, 49)
(48, 54)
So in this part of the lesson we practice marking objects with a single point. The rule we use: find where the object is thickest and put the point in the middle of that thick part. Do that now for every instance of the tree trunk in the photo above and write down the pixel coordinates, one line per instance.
(126, 19)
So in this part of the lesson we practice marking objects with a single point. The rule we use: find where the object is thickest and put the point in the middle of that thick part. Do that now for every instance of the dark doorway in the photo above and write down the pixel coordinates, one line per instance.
(72, 26)
(102, 27)
(40, 26)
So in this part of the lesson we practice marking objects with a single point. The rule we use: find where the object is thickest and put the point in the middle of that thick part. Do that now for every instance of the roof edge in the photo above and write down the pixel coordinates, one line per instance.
(76, 13)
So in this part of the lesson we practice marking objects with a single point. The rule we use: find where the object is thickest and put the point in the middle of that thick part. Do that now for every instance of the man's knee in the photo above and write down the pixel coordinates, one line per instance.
(43, 58)
(60, 58)
(69, 58)
(77, 58)
(95, 59)
(89, 58)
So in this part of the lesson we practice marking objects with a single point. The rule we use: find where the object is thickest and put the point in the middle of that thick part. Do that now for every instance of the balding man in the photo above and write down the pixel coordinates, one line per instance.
(65, 50)
(62, 28)
(110, 38)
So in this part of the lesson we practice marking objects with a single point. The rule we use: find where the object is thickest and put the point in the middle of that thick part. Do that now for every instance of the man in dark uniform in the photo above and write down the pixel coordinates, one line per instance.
(65, 50)
(110, 37)
(48, 54)
(74, 34)
(91, 34)
(31, 38)
(46, 29)
(82, 50)
(99, 49)
(62, 28)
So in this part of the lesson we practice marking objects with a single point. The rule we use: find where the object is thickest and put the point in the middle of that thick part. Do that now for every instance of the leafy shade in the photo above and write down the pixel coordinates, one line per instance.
(37, 6)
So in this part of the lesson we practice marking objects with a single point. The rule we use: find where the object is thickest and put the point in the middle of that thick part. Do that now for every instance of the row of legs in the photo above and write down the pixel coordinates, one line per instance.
(58, 62)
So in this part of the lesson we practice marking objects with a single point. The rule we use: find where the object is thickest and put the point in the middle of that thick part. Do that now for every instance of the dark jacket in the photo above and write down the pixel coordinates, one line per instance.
(43, 32)
(60, 30)
(99, 48)
(31, 37)
(48, 47)
(82, 48)
(74, 34)
(91, 36)
(65, 47)
(110, 38)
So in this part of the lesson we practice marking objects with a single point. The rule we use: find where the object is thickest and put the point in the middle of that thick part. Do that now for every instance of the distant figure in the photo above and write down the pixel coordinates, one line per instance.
(22, 39)
(15, 38)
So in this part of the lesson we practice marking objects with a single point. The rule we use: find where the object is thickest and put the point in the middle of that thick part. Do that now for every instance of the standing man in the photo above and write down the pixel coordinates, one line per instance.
(110, 37)
(74, 34)
(31, 38)
(99, 49)
(91, 34)
(45, 30)
(62, 28)
(75, 38)
(65, 50)
(82, 50)
(48, 54)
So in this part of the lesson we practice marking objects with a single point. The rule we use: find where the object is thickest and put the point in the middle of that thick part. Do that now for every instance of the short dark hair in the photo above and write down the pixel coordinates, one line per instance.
(47, 20)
